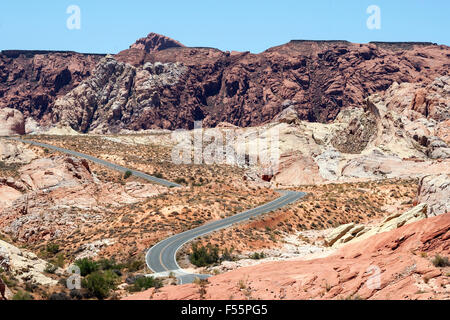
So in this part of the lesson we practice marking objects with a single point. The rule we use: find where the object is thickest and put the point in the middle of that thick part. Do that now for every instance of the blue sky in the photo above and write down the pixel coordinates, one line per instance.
(111, 26)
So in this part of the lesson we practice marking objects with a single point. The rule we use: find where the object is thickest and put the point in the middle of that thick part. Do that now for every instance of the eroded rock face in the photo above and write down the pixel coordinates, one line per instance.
(8, 195)
(155, 42)
(55, 172)
(433, 101)
(352, 233)
(54, 196)
(435, 191)
(355, 137)
(30, 81)
(11, 122)
(15, 153)
(24, 265)
(295, 167)
(119, 96)
(316, 78)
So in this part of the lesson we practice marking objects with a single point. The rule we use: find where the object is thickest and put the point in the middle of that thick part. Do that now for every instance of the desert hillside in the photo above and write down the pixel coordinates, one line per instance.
(359, 133)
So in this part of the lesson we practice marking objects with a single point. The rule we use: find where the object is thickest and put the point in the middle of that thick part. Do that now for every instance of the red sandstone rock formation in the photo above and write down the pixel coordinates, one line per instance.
(30, 81)
(155, 42)
(316, 78)
(402, 256)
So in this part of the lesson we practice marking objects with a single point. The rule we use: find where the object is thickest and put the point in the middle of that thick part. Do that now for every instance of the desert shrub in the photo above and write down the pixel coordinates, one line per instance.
(52, 248)
(22, 295)
(440, 262)
(9, 280)
(127, 174)
(257, 256)
(135, 265)
(76, 294)
(144, 283)
(158, 175)
(181, 181)
(30, 286)
(50, 268)
(59, 260)
(87, 266)
(100, 283)
(203, 256)
(109, 264)
(227, 255)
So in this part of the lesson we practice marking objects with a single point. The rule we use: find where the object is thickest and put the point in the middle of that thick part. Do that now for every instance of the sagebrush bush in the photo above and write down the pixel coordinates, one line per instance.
(144, 283)
(257, 256)
(440, 262)
(22, 295)
(87, 266)
(127, 174)
(100, 283)
(202, 256)
(135, 265)
(109, 264)
(52, 248)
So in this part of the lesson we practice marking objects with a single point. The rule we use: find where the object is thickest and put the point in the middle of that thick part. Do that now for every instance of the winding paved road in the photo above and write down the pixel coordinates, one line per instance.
(101, 162)
(161, 258)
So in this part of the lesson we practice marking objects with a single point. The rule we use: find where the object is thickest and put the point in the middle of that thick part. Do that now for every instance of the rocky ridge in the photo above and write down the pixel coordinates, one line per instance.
(317, 78)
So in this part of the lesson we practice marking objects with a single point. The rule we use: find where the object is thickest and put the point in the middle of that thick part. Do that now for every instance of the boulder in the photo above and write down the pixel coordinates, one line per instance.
(12, 152)
(288, 115)
(351, 233)
(26, 266)
(11, 122)
(338, 233)
(56, 171)
(434, 190)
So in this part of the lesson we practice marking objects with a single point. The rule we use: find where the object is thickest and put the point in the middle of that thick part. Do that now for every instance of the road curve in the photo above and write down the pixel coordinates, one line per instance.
(161, 258)
(101, 162)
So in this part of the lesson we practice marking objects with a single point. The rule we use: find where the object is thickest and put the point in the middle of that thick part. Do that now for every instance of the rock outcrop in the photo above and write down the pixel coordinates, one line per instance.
(15, 153)
(119, 96)
(24, 265)
(391, 265)
(384, 138)
(55, 172)
(351, 232)
(30, 81)
(11, 122)
(155, 42)
(316, 78)
(434, 190)
(53, 196)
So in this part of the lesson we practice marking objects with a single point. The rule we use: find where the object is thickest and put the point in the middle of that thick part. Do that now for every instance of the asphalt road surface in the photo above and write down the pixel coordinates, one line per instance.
(161, 258)
(102, 162)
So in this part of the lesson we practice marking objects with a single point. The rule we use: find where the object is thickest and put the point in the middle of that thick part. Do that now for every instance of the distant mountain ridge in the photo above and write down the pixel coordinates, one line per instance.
(317, 78)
